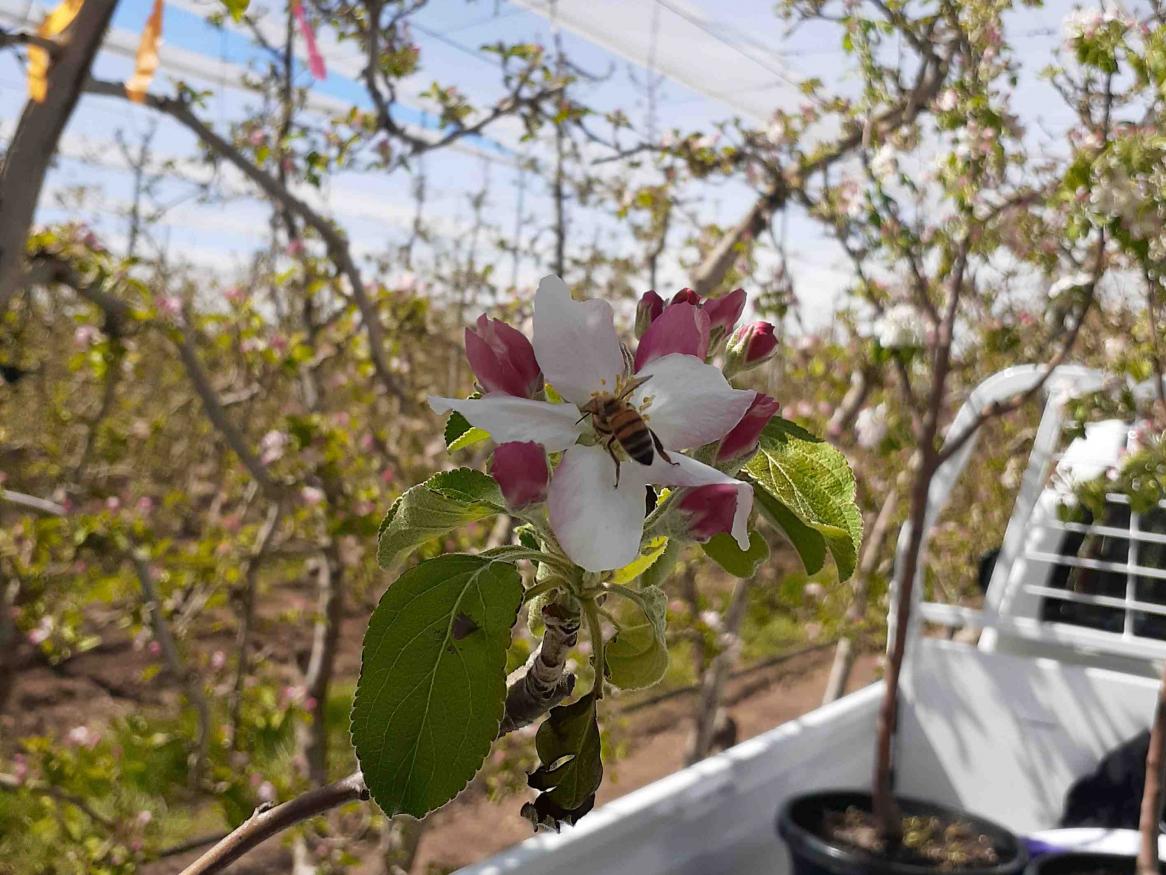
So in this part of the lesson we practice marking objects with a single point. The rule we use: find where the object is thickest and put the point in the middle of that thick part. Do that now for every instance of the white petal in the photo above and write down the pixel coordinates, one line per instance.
(575, 342)
(509, 418)
(692, 404)
(598, 525)
(690, 472)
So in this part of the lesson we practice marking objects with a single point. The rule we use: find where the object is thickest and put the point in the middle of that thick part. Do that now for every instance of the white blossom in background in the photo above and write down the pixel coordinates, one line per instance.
(1066, 283)
(884, 162)
(900, 327)
(947, 101)
(870, 426)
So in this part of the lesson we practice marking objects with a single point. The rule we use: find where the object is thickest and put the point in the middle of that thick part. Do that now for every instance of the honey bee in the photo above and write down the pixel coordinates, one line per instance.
(620, 423)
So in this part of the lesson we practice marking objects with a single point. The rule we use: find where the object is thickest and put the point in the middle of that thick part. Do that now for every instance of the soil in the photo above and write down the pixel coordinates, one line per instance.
(927, 841)
(109, 682)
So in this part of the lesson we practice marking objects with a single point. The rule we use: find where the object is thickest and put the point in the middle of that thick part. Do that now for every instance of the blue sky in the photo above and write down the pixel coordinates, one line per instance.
(718, 59)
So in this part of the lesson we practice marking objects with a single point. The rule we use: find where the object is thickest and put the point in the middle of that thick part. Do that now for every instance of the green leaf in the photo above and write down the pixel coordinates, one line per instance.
(811, 546)
(723, 550)
(637, 656)
(439, 505)
(459, 434)
(432, 684)
(814, 482)
(571, 767)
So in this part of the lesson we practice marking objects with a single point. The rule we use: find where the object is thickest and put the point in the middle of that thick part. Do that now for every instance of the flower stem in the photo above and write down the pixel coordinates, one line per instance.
(595, 631)
(541, 587)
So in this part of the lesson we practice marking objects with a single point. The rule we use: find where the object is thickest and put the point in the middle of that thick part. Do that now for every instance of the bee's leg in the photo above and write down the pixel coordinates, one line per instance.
(610, 447)
(660, 448)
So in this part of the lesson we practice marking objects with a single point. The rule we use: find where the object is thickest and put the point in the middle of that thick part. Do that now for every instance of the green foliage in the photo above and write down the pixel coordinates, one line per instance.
(571, 770)
(439, 505)
(723, 550)
(814, 483)
(432, 680)
(637, 656)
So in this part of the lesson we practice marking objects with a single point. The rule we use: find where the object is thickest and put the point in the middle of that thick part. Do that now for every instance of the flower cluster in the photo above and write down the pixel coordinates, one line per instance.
(615, 421)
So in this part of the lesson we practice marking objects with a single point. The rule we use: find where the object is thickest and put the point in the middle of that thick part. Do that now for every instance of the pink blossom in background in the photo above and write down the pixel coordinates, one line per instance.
(85, 335)
(312, 495)
(83, 736)
(273, 445)
(295, 247)
(169, 306)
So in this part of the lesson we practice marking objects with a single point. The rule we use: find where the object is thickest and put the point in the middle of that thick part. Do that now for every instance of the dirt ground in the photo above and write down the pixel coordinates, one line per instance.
(473, 827)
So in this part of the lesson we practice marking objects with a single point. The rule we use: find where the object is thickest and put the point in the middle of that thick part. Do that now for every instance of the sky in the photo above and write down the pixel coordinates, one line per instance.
(716, 60)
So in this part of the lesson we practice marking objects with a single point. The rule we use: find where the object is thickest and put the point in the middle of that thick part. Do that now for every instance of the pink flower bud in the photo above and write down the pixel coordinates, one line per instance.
(502, 359)
(743, 438)
(686, 296)
(709, 510)
(724, 312)
(749, 346)
(682, 328)
(647, 311)
(520, 467)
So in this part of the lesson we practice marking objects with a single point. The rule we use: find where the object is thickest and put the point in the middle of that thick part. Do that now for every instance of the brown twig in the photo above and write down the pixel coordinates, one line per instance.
(265, 823)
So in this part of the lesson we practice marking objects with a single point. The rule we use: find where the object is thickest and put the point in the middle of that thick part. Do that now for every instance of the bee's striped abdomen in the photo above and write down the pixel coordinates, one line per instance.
(632, 433)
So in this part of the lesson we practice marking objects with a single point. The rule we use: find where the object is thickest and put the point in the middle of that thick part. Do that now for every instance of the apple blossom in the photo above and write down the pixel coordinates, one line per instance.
(648, 310)
(502, 358)
(681, 328)
(743, 439)
(708, 510)
(724, 312)
(597, 514)
(751, 345)
(520, 467)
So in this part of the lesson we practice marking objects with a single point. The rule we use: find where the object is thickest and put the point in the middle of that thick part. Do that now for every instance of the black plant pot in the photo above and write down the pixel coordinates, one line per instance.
(1079, 863)
(800, 821)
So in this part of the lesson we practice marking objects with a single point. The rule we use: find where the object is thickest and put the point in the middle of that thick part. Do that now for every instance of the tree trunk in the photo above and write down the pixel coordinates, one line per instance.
(872, 550)
(712, 684)
(886, 811)
(37, 135)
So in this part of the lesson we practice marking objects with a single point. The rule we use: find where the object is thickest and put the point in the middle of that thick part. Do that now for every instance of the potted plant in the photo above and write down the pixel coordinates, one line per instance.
(944, 295)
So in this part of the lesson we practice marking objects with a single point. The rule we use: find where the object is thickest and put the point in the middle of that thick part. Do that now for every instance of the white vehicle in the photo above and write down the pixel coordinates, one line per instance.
(1074, 618)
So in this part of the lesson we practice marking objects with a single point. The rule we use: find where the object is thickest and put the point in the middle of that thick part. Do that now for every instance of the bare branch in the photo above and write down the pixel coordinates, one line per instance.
(265, 823)
(337, 244)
